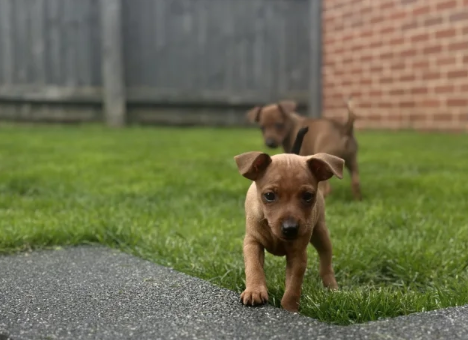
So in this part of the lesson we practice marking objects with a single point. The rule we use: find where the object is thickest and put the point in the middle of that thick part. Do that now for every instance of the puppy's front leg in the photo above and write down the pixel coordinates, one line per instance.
(296, 264)
(255, 292)
(321, 241)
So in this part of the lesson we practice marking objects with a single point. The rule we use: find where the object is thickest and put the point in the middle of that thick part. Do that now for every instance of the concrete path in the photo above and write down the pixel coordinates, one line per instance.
(98, 293)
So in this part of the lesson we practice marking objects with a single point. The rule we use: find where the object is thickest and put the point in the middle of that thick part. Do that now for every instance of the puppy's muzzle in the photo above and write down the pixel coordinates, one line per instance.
(289, 228)
(271, 143)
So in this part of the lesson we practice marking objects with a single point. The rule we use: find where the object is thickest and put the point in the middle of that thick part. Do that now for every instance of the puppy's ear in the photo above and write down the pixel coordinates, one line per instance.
(287, 106)
(252, 164)
(253, 115)
(324, 166)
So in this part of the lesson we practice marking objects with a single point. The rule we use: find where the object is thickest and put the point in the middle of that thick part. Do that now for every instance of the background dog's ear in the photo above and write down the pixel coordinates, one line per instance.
(253, 115)
(287, 106)
(324, 166)
(252, 164)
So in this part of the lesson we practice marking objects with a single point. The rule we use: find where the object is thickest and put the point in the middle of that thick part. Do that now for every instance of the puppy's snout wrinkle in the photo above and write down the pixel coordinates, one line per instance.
(289, 228)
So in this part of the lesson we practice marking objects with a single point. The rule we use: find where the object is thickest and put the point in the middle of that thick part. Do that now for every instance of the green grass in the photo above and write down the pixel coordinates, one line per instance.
(174, 196)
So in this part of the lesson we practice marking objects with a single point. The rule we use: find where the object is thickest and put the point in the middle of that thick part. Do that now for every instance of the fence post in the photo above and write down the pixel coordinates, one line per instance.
(114, 99)
(315, 76)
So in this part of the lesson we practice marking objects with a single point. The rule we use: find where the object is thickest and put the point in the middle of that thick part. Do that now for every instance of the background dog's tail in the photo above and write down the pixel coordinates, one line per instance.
(299, 138)
(349, 125)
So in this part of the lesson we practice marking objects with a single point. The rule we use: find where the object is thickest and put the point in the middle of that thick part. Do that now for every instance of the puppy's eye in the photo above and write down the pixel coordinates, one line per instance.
(308, 197)
(279, 126)
(269, 196)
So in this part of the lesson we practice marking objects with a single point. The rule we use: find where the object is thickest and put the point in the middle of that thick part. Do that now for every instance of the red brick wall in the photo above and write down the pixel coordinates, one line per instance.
(405, 62)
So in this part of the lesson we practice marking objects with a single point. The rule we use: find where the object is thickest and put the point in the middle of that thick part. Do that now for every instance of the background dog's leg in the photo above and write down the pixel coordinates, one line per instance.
(255, 292)
(295, 268)
(353, 169)
(322, 243)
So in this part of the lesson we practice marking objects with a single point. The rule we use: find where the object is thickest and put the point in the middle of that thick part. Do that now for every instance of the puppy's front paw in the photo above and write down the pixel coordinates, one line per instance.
(254, 296)
(290, 303)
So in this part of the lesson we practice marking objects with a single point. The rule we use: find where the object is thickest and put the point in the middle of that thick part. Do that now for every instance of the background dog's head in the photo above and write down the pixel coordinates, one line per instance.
(287, 185)
(274, 120)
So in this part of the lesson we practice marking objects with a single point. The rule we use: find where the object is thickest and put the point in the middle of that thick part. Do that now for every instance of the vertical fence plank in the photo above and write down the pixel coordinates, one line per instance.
(112, 63)
(38, 42)
(55, 68)
(6, 31)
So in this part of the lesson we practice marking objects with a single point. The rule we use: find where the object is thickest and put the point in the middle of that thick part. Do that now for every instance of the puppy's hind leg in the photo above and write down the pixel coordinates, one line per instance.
(352, 166)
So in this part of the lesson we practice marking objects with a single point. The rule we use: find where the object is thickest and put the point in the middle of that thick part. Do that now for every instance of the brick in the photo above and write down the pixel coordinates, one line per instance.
(410, 25)
(366, 10)
(386, 55)
(459, 16)
(431, 75)
(433, 21)
(374, 117)
(397, 15)
(375, 93)
(430, 103)
(357, 47)
(398, 66)
(376, 19)
(386, 30)
(406, 104)
(397, 92)
(376, 68)
(366, 81)
(367, 34)
(444, 89)
(457, 102)
(464, 88)
(419, 90)
(446, 61)
(417, 117)
(422, 64)
(375, 44)
(420, 37)
(366, 58)
(397, 41)
(394, 117)
(422, 10)
(386, 80)
(447, 4)
(384, 104)
(442, 117)
(432, 49)
(357, 23)
(409, 77)
(447, 33)
(410, 52)
(458, 46)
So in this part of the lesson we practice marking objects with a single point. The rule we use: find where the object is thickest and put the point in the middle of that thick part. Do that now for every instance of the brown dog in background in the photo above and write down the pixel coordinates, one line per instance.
(280, 123)
(284, 212)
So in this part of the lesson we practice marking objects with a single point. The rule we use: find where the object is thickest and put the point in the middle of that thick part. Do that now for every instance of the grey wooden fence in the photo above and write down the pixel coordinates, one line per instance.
(176, 61)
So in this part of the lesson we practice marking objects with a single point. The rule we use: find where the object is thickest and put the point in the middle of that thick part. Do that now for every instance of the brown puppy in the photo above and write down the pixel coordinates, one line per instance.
(280, 123)
(284, 213)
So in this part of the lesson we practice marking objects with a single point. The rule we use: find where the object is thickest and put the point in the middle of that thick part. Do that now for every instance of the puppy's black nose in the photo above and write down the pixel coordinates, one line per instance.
(289, 228)
(271, 143)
